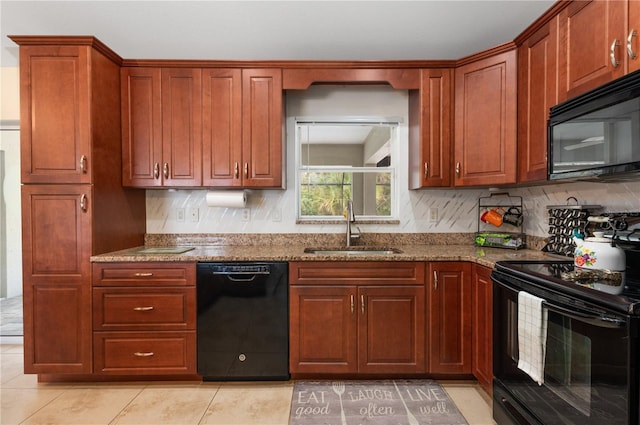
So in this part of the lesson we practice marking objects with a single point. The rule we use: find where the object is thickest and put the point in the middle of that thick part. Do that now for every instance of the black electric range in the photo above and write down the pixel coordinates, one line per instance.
(555, 275)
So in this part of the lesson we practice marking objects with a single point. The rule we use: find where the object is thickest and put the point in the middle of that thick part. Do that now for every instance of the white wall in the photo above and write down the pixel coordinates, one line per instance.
(10, 222)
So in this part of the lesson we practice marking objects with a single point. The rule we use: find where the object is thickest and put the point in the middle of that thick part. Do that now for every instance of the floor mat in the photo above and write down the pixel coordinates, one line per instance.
(412, 402)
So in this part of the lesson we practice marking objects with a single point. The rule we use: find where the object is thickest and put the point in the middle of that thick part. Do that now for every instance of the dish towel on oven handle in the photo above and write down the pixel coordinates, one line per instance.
(532, 335)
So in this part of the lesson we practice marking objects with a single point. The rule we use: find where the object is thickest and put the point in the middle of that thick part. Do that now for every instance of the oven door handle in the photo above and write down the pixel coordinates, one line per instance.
(593, 319)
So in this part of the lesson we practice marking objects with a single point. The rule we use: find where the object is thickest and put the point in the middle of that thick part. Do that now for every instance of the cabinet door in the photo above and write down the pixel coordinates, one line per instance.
(589, 31)
(485, 121)
(391, 330)
(482, 325)
(323, 329)
(430, 130)
(537, 93)
(222, 127)
(55, 114)
(141, 127)
(449, 294)
(181, 127)
(262, 127)
(56, 278)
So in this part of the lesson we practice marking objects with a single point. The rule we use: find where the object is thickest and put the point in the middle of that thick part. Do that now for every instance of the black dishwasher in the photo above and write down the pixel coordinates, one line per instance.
(243, 321)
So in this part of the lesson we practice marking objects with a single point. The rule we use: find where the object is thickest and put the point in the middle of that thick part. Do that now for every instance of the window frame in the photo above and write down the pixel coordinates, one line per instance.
(393, 122)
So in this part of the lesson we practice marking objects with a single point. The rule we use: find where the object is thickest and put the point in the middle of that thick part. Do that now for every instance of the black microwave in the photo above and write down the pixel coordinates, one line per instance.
(597, 134)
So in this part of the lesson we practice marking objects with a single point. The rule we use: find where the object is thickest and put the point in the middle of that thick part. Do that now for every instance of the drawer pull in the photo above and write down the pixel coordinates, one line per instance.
(149, 308)
(141, 354)
(143, 274)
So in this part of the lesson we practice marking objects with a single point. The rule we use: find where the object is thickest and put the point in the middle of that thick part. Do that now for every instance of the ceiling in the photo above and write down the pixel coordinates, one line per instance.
(277, 30)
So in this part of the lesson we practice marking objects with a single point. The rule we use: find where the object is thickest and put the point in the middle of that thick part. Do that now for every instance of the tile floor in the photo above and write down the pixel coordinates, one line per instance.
(25, 401)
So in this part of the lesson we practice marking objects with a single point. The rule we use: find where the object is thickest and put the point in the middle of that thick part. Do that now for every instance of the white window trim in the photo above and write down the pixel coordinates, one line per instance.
(393, 168)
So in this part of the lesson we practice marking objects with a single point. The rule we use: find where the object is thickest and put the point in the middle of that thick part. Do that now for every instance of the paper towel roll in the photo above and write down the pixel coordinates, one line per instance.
(227, 198)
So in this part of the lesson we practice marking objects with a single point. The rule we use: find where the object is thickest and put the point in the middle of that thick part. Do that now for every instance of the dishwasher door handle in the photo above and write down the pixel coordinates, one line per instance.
(247, 279)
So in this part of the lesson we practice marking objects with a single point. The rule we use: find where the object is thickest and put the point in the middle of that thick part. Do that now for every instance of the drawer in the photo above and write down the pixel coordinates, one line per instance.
(357, 272)
(165, 308)
(144, 353)
(144, 274)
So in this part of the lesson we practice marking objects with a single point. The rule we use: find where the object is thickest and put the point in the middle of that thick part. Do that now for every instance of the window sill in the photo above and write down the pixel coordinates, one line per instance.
(343, 221)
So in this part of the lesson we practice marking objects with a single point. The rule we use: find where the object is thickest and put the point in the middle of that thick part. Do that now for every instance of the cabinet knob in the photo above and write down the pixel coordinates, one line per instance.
(156, 170)
(435, 280)
(236, 170)
(612, 53)
(246, 170)
(458, 169)
(426, 170)
(143, 354)
(143, 274)
(83, 164)
(630, 52)
(352, 304)
(362, 303)
(83, 202)
(165, 170)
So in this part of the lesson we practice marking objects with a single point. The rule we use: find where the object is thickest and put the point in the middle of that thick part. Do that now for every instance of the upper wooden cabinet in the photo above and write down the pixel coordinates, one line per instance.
(222, 127)
(262, 129)
(60, 120)
(537, 93)
(242, 128)
(161, 127)
(593, 37)
(430, 135)
(485, 121)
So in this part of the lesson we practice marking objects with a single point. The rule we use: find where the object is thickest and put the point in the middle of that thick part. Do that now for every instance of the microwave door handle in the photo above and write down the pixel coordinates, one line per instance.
(593, 319)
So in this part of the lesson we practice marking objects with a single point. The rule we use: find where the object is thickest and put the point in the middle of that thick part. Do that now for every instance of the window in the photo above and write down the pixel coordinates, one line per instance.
(349, 158)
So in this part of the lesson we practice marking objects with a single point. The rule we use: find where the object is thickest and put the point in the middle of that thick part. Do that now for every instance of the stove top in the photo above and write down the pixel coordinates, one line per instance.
(559, 277)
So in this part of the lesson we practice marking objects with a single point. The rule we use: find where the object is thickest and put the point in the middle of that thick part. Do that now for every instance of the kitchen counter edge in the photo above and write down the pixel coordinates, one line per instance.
(480, 255)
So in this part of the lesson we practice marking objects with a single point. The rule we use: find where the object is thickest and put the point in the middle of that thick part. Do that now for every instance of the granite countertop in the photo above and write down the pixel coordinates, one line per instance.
(480, 255)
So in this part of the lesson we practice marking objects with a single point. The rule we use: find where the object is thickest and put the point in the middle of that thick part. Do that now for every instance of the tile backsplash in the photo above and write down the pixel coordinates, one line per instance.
(274, 211)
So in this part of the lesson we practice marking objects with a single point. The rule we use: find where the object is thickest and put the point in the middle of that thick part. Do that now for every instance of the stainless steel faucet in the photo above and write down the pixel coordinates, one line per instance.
(351, 218)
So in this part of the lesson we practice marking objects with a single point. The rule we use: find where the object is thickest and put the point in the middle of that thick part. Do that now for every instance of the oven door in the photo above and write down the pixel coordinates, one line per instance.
(586, 370)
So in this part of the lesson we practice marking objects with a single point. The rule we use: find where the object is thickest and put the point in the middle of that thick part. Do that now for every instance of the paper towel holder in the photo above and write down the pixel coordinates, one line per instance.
(227, 198)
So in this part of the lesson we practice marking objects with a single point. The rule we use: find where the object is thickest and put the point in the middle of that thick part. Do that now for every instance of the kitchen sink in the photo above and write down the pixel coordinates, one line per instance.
(354, 250)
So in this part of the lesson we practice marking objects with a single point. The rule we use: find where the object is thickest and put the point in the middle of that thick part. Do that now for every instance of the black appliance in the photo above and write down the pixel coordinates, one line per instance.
(243, 321)
(591, 366)
(597, 134)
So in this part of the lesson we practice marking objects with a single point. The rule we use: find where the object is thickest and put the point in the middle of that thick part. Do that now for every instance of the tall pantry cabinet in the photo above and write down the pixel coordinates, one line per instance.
(73, 203)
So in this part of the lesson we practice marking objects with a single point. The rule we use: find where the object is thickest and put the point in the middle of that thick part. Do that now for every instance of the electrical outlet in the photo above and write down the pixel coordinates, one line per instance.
(194, 214)
(433, 214)
(246, 214)
(180, 214)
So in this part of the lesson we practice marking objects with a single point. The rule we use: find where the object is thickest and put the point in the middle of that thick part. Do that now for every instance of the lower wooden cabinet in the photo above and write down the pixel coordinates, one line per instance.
(357, 317)
(144, 318)
(56, 245)
(449, 318)
(482, 318)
